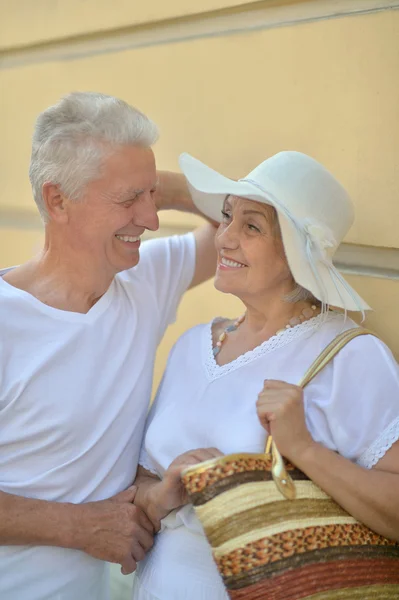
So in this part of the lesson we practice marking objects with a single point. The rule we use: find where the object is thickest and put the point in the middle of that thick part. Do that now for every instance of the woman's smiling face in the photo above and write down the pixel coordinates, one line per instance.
(251, 260)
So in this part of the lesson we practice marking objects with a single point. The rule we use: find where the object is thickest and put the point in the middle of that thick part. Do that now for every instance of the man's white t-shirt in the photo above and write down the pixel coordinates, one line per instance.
(74, 393)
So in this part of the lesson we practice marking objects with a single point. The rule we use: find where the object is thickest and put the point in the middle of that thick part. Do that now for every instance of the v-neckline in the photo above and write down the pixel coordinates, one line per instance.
(214, 370)
(91, 315)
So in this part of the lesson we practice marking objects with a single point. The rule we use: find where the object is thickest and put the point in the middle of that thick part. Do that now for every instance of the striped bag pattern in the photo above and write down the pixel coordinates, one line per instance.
(273, 548)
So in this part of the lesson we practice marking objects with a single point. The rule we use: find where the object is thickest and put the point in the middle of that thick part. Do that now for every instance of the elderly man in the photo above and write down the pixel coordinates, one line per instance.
(80, 326)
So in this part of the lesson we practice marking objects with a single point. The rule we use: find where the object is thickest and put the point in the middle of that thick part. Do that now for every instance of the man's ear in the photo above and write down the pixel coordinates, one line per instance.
(55, 202)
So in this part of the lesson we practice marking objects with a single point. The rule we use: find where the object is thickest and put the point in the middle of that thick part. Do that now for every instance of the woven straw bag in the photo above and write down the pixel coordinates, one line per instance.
(275, 535)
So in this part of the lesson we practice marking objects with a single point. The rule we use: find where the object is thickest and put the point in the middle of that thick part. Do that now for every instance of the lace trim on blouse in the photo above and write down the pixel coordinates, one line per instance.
(276, 341)
(381, 446)
(146, 462)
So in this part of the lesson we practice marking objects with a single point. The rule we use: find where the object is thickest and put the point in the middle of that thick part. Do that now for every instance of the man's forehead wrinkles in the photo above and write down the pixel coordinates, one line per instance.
(106, 194)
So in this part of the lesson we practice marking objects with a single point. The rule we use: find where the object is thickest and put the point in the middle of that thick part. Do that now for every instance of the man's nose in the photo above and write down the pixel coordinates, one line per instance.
(146, 214)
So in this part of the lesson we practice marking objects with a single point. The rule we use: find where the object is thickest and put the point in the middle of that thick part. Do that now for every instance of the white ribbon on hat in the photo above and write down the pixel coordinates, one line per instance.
(320, 237)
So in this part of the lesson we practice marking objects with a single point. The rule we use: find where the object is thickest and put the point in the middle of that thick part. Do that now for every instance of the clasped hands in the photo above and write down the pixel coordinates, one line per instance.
(122, 531)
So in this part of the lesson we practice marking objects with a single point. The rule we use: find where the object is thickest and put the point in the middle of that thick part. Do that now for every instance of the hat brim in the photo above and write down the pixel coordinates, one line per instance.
(209, 189)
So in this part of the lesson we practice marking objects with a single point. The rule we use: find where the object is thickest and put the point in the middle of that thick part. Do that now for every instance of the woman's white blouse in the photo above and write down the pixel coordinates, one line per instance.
(351, 407)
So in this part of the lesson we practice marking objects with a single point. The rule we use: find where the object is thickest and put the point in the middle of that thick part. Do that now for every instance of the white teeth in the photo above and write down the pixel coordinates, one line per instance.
(128, 238)
(230, 263)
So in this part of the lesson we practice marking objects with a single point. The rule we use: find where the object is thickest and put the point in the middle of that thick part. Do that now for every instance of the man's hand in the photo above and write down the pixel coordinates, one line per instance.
(114, 530)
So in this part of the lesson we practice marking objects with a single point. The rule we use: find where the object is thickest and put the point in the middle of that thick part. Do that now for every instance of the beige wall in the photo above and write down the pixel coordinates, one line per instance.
(230, 82)
(46, 20)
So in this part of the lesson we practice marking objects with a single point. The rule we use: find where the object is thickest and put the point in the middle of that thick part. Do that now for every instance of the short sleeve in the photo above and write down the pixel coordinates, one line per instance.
(166, 268)
(354, 403)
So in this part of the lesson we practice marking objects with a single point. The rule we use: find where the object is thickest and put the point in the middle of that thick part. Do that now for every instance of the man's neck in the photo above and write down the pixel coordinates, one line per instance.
(60, 282)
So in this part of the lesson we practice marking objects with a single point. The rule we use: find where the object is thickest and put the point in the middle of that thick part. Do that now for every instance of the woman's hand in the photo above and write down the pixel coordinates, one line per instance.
(169, 493)
(281, 412)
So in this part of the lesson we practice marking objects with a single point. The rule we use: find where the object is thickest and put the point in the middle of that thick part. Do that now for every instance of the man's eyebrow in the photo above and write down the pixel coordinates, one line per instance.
(128, 194)
(131, 192)
(135, 192)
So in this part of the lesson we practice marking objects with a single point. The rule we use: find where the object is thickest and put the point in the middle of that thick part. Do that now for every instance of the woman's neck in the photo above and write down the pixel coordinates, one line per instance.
(267, 320)
(258, 326)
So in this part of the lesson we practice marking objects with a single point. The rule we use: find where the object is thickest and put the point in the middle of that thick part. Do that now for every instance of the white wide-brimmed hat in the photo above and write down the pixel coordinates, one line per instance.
(314, 213)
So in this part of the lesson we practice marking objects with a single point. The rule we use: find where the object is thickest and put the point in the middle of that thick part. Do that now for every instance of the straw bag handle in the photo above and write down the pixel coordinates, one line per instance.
(280, 475)
(330, 352)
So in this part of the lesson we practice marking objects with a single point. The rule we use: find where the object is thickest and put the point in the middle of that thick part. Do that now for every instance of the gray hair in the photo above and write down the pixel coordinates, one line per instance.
(301, 294)
(72, 138)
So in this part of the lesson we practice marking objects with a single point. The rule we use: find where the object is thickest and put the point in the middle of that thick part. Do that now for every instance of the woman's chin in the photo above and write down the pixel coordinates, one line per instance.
(221, 285)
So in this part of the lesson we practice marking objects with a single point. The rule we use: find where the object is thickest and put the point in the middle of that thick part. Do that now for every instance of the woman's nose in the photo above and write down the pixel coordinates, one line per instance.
(228, 237)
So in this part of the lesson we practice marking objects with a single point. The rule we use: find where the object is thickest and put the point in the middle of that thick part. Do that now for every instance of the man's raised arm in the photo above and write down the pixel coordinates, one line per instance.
(173, 194)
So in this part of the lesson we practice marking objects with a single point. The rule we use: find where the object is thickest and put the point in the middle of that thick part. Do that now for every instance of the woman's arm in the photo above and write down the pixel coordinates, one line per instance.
(158, 497)
(369, 495)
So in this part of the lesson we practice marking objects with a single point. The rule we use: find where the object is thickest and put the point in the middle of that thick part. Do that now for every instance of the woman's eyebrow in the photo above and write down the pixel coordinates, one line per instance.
(256, 212)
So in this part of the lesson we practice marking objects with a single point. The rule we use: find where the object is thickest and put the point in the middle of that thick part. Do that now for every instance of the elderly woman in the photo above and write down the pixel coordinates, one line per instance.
(229, 383)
